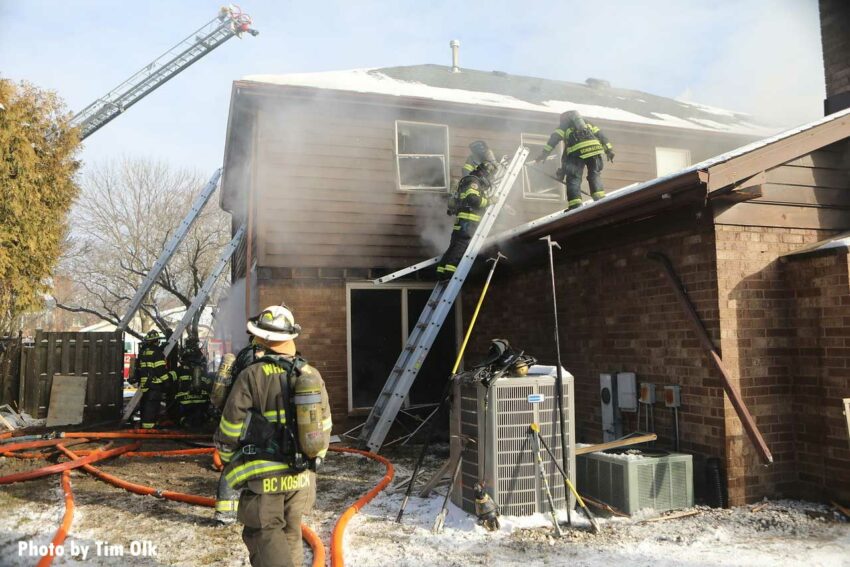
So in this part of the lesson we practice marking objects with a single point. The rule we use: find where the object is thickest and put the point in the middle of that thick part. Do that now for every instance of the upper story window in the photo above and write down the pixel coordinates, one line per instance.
(671, 160)
(422, 156)
(538, 180)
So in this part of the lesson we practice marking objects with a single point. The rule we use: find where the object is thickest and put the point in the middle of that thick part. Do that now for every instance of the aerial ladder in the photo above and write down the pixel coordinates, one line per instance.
(423, 335)
(229, 22)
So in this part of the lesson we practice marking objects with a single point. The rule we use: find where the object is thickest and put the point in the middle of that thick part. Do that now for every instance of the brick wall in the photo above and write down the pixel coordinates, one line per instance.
(319, 307)
(618, 313)
(835, 39)
(821, 320)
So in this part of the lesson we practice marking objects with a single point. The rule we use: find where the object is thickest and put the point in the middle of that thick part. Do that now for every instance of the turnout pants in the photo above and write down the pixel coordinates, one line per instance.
(573, 167)
(150, 408)
(272, 531)
(461, 236)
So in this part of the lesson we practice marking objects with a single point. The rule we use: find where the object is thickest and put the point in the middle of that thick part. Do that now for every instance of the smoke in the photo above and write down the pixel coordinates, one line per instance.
(230, 318)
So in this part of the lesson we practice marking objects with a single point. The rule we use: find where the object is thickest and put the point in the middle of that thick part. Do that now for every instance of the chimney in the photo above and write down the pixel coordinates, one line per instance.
(455, 45)
(834, 23)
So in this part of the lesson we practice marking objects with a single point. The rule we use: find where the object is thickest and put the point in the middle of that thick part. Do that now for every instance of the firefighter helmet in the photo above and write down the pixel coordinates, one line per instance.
(485, 169)
(153, 336)
(274, 323)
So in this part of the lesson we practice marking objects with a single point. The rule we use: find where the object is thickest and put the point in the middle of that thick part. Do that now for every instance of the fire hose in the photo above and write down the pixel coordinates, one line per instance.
(78, 461)
(337, 559)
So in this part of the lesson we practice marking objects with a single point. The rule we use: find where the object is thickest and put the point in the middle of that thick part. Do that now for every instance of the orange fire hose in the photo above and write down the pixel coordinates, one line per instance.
(29, 445)
(5, 435)
(130, 435)
(83, 459)
(337, 559)
(62, 532)
(45, 455)
(169, 453)
(140, 488)
(77, 462)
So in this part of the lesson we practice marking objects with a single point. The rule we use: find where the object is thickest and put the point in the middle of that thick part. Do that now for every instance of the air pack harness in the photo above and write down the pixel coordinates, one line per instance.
(262, 439)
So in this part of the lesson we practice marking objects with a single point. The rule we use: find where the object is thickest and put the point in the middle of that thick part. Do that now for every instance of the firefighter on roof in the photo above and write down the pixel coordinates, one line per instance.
(153, 378)
(584, 145)
(468, 204)
(274, 432)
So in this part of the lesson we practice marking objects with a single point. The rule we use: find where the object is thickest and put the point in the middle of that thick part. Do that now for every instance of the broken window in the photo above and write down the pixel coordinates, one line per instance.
(539, 180)
(671, 160)
(421, 152)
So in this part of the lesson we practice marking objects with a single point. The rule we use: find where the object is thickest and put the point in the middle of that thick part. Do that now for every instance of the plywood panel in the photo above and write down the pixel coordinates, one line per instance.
(67, 400)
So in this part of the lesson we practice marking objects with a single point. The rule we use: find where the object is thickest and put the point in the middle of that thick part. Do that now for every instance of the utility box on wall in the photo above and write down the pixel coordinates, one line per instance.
(498, 419)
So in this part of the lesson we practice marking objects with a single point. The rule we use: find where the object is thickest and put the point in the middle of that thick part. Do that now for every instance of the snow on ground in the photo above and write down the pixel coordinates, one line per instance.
(783, 533)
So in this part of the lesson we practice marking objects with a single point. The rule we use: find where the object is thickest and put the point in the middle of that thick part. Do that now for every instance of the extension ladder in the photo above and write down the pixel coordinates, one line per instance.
(433, 315)
(183, 229)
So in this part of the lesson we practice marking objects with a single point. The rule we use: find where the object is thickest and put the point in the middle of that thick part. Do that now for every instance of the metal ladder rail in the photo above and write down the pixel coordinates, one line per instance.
(197, 302)
(153, 75)
(200, 201)
(431, 320)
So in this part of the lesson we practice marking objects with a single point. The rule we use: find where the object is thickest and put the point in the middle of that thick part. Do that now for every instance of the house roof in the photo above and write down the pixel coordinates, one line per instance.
(714, 175)
(594, 98)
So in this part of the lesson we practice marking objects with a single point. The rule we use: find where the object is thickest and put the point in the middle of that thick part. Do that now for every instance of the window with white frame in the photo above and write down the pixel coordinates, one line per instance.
(539, 180)
(671, 160)
(422, 156)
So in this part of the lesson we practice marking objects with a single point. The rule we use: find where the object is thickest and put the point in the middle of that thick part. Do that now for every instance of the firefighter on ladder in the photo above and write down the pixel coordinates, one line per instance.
(584, 145)
(274, 432)
(468, 203)
(153, 378)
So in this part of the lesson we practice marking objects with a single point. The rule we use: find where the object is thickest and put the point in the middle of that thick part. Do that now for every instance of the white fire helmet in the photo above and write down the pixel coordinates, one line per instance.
(274, 323)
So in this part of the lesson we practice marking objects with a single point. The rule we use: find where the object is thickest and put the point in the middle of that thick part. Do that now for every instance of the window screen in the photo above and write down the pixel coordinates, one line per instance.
(422, 151)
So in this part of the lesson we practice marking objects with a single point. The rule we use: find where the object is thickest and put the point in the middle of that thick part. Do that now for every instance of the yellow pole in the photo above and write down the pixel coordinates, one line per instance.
(495, 261)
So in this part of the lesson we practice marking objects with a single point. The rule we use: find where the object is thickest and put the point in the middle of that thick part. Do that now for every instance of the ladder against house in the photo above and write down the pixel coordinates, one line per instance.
(170, 248)
(433, 315)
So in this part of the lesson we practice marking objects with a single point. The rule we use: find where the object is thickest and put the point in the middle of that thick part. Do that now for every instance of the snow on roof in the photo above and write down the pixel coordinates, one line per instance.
(501, 90)
(635, 187)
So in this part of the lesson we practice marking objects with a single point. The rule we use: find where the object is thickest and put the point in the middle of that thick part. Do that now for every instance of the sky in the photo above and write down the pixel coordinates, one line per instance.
(757, 56)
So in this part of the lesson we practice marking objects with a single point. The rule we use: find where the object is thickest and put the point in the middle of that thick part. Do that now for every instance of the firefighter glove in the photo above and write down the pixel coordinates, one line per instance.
(610, 155)
(559, 173)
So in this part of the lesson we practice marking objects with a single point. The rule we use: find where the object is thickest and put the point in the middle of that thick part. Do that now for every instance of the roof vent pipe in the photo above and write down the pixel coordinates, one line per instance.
(455, 45)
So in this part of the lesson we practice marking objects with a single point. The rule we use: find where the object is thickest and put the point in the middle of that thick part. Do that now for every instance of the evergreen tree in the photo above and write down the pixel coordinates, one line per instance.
(38, 149)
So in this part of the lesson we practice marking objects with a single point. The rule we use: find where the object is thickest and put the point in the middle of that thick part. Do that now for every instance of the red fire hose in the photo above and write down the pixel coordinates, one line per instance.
(337, 559)
(74, 464)
(62, 532)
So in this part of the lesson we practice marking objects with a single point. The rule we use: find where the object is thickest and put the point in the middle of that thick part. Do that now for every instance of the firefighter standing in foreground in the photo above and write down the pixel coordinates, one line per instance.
(468, 204)
(584, 145)
(153, 378)
(274, 432)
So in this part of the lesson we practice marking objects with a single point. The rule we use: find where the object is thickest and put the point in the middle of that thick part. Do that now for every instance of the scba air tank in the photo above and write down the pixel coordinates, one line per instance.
(223, 380)
(309, 415)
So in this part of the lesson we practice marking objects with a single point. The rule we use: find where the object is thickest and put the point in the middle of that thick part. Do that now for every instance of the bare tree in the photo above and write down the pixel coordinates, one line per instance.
(126, 214)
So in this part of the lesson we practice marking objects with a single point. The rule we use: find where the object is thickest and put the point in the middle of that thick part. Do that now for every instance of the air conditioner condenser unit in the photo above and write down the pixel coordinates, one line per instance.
(497, 421)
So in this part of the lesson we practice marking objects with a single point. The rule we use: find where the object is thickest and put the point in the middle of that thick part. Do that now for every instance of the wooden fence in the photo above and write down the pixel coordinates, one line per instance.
(99, 356)
(10, 370)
